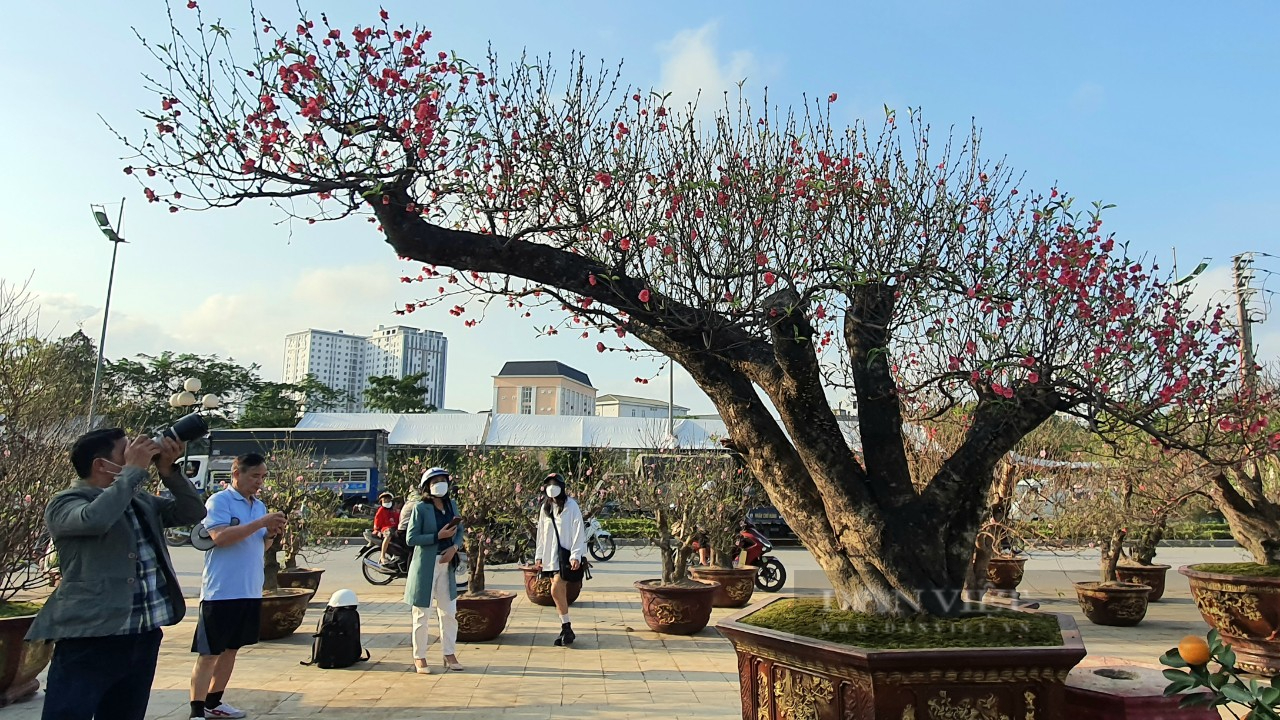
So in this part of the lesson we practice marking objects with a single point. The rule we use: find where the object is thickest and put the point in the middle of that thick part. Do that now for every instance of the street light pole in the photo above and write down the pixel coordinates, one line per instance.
(104, 225)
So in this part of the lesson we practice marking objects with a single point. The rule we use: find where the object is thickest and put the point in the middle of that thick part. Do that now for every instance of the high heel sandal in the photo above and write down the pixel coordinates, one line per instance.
(453, 665)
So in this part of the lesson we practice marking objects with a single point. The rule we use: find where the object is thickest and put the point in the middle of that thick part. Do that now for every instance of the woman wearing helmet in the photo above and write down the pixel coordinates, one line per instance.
(561, 547)
(436, 531)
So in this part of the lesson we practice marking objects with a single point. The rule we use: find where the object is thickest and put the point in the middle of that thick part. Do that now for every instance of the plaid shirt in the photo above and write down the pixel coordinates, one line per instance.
(151, 608)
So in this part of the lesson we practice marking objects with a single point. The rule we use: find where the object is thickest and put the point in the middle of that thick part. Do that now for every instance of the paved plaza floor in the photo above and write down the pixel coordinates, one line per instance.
(617, 668)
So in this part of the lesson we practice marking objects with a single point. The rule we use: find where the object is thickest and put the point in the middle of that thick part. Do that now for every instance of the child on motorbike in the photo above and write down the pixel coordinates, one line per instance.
(385, 521)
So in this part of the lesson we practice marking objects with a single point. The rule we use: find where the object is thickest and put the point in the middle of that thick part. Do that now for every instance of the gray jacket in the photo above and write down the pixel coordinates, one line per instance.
(97, 552)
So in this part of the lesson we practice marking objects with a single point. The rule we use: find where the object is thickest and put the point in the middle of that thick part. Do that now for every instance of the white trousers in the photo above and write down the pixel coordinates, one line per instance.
(446, 612)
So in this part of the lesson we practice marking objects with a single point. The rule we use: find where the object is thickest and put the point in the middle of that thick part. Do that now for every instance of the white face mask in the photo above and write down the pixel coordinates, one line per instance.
(387, 505)
(119, 468)
(553, 491)
(440, 489)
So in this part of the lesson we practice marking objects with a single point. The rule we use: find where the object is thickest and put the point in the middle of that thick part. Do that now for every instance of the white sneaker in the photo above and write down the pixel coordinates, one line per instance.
(224, 711)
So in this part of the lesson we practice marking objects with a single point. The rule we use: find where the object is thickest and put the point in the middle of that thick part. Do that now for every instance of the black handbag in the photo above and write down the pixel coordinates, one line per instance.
(567, 573)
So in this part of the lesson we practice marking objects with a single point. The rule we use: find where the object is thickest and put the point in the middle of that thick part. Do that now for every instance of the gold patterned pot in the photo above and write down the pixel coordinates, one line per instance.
(680, 609)
(538, 588)
(1246, 613)
(736, 584)
(20, 661)
(1150, 575)
(283, 611)
(483, 616)
(784, 676)
(1004, 573)
(1116, 604)
(308, 578)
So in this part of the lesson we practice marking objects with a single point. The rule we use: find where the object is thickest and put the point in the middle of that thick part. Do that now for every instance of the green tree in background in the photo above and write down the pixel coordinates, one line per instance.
(398, 395)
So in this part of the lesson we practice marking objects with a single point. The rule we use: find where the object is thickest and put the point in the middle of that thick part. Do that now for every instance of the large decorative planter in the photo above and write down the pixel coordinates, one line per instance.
(782, 676)
(483, 616)
(682, 609)
(307, 578)
(736, 584)
(1116, 689)
(1246, 613)
(282, 612)
(20, 661)
(1004, 573)
(538, 588)
(1153, 576)
(1114, 604)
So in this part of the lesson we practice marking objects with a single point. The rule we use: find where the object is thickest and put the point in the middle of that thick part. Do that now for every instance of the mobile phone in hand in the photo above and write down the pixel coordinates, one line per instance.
(455, 522)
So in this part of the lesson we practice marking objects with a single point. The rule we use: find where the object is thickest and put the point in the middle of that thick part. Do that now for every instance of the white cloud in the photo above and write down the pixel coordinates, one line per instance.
(694, 70)
(1216, 286)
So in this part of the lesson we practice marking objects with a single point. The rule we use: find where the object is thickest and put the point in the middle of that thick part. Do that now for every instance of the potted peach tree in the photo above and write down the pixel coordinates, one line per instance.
(38, 400)
(294, 487)
(723, 500)
(676, 488)
(490, 492)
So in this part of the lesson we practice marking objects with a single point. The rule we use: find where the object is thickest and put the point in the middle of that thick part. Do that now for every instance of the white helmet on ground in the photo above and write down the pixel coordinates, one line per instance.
(344, 598)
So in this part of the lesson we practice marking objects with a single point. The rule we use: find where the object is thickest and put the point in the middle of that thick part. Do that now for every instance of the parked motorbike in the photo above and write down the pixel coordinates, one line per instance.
(756, 548)
(396, 567)
(599, 542)
(771, 575)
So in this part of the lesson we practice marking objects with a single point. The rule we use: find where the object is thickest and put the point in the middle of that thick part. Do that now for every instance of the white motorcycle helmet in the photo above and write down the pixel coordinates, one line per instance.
(344, 598)
(431, 478)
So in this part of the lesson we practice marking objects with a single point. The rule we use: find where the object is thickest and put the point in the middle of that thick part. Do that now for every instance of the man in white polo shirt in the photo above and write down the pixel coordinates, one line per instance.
(231, 591)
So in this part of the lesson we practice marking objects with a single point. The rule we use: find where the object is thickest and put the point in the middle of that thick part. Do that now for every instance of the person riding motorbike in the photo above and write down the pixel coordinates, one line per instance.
(748, 543)
(385, 521)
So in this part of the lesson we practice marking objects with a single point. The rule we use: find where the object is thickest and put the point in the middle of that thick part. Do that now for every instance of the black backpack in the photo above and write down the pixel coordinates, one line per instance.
(337, 639)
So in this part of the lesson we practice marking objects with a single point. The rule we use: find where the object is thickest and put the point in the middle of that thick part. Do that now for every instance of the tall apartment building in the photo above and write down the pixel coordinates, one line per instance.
(345, 362)
(542, 387)
(335, 358)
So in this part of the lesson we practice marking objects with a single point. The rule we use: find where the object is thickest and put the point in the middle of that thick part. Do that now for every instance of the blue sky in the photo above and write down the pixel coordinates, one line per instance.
(1167, 110)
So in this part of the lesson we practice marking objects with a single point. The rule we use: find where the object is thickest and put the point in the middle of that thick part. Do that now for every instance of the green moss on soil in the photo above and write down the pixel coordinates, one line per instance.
(18, 609)
(811, 618)
(1245, 569)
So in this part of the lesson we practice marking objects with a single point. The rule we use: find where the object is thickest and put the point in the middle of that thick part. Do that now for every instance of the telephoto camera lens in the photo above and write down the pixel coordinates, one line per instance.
(188, 428)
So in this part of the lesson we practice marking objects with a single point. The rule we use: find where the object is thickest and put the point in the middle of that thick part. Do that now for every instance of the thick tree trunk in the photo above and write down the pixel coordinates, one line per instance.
(1255, 523)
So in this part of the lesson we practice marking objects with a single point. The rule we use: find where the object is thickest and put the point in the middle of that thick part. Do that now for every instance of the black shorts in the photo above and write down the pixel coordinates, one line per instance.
(227, 625)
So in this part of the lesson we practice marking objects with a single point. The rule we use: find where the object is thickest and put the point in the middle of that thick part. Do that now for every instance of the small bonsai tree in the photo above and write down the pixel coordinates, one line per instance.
(295, 487)
(678, 489)
(723, 502)
(41, 412)
(491, 494)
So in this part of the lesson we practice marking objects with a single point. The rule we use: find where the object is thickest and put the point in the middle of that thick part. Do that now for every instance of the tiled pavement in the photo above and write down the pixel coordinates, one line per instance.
(617, 668)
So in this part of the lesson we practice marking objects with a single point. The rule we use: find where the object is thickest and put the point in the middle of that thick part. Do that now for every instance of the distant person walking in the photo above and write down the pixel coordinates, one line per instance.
(231, 588)
(435, 530)
(118, 585)
(561, 547)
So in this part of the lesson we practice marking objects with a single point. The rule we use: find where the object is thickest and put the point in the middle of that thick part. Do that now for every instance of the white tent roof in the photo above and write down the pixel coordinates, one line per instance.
(454, 430)
(446, 430)
(571, 431)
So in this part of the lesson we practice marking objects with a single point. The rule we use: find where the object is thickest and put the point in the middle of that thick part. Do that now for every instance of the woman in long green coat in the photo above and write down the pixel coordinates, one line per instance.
(436, 534)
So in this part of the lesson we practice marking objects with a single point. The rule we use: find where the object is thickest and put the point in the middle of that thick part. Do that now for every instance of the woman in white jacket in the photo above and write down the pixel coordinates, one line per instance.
(561, 547)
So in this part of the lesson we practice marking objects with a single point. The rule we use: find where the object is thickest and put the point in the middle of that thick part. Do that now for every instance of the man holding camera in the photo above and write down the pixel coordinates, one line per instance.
(231, 589)
(118, 585)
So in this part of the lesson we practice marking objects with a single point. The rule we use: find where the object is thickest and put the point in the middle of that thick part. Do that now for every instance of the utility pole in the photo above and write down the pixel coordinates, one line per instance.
(1242, 272)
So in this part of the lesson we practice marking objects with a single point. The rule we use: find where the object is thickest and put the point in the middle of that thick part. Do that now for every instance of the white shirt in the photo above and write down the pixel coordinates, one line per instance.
(573, 535)
(406, 513)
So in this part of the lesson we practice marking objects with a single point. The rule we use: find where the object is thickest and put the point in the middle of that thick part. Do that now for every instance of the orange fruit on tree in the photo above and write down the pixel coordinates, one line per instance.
(1194, 650)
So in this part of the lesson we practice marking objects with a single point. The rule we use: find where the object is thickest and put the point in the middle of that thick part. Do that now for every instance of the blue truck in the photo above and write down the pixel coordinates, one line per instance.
(353, 462)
